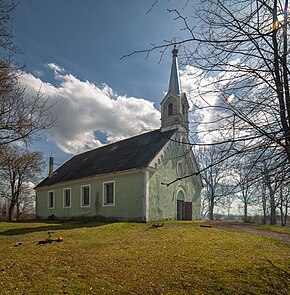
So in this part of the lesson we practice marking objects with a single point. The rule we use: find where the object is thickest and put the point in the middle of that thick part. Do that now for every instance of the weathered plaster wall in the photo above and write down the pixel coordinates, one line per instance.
(128, 198)
(162, 198)
(132, 198)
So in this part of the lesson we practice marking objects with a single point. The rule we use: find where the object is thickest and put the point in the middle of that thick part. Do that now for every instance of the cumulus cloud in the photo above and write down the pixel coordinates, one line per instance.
(214, 99)
(55, 67)
(203, 98)
(84, 110)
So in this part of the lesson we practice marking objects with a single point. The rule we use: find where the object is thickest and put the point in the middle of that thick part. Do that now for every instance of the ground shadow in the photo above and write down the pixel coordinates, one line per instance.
(282, 283)
(51, 226)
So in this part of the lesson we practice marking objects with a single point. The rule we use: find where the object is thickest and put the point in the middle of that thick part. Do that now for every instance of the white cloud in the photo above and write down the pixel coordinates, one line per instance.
(212, 115)
(55, 67)
(38, 73)
(82, 109)
(203, 98)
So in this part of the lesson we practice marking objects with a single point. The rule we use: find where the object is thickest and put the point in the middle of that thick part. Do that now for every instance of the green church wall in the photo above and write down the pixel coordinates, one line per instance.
(139, 194)
(128, 199)
(163, 198)
(130, 191)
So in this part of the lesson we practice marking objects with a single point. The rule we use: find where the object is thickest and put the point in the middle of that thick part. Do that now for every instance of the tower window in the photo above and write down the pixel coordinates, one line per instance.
(170, 109)
(183, 109)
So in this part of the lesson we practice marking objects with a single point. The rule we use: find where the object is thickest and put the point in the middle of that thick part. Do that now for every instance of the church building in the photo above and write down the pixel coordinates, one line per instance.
(148, 177)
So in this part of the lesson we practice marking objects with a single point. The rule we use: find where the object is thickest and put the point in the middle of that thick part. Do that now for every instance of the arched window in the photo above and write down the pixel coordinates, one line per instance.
(170, 109)
(183, 109)
(180, 169)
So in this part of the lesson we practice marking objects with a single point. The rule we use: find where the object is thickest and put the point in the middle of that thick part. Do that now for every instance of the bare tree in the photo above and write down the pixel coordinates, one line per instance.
(242, 45)
(284, 203)
(18, 168)
(26, 202)
(214, 176)
(21, 115)
(246, 186)
(227, 201)
(263, 200)
(7, 46)
(275, 185)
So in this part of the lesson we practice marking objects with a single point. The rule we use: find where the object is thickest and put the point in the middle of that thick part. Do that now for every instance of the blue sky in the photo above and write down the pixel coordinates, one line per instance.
(88, 38)
(73, 48)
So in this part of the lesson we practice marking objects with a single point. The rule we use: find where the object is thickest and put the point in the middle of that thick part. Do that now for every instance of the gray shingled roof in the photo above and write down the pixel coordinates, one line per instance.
(134, 152)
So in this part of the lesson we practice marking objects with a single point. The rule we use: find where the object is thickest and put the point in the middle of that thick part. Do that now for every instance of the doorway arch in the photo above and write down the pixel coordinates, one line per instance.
(180, 210)
(183, 207)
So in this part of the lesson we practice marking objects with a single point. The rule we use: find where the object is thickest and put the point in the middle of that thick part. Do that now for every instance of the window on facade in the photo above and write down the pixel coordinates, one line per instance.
(85, 196)
(170, 109)
(183, 109)
(180, 169)
(109, 193)
(51, 200)
(66, 197)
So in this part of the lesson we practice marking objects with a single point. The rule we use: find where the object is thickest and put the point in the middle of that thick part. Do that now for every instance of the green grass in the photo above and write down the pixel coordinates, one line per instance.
(130, 258)
(277, 228)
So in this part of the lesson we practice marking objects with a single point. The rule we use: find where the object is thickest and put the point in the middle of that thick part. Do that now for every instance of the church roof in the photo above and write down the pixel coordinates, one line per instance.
(131, 153)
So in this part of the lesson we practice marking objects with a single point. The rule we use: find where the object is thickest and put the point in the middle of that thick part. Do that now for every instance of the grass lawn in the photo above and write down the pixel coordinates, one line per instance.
(130, 258)
(277, 228)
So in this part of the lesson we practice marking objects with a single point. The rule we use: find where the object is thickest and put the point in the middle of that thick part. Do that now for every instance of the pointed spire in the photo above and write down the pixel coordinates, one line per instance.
(174, 86)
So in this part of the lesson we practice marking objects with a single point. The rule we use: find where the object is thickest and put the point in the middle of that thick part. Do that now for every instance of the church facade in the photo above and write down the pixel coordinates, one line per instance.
(149, 177)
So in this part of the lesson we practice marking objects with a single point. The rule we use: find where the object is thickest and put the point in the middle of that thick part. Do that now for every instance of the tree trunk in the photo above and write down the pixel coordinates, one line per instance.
(272, 201)
(10, 210)
(284, 211)
(264, 204)
(273, 210)
(210, 207)
(282, 215)
(245, 212)
(229, 209)
(18, 213)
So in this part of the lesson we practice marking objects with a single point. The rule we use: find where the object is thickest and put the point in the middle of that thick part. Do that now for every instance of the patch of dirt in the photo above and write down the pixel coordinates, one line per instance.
(237, 226)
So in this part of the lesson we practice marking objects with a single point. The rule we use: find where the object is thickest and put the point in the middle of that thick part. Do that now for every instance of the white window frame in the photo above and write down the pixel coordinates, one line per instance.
(48, 199)
(114, 195)
(64, 197)
(81, 198)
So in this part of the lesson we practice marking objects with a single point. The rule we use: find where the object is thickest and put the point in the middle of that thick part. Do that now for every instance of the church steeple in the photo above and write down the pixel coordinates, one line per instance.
(174, 86)
(174, 106)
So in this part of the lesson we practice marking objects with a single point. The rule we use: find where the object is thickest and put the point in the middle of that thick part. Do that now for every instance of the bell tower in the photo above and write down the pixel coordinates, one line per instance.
(174, 106)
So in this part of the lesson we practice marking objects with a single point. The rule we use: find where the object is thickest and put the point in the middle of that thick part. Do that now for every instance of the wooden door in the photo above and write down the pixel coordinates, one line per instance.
(180, 210)
(187, 210)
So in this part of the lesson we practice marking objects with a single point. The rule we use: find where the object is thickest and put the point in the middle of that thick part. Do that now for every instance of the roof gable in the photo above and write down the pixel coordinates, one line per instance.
(131, 153)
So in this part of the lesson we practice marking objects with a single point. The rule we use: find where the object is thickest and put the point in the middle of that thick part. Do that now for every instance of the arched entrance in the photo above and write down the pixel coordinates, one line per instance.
(183, 209)
(180, 212)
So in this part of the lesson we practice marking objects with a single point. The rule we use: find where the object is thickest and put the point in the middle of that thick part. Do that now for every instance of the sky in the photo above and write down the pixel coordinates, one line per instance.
(72, 50)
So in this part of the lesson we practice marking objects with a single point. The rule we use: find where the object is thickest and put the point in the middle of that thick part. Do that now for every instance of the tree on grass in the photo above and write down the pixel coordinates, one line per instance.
(246, 187)
(18, 168)
(284, 203)
(21, 115)
(214, 175)
(239, 49)
(243, 45)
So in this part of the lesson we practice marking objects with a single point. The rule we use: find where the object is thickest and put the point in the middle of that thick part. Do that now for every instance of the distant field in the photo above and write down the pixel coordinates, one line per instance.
(130, 258)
